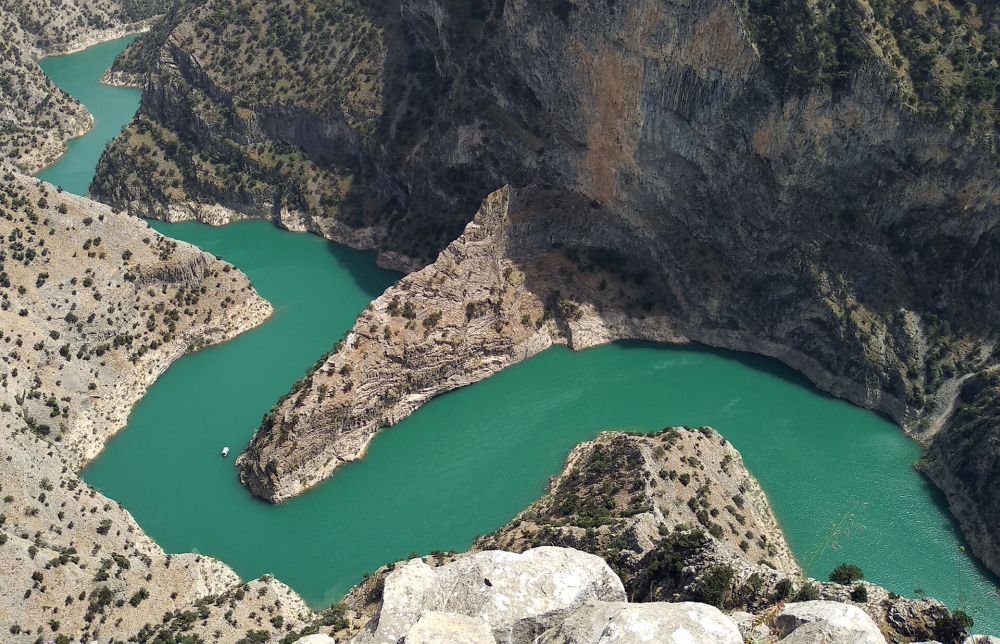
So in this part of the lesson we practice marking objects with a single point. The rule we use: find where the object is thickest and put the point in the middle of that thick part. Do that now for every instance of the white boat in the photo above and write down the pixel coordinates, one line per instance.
(225, 452)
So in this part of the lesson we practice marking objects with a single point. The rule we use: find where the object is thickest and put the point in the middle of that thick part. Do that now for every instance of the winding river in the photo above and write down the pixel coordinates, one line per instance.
(840, 478)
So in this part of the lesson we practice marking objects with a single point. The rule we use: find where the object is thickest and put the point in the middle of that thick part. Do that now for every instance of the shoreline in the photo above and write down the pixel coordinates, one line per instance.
(91, 120)
(100, 38)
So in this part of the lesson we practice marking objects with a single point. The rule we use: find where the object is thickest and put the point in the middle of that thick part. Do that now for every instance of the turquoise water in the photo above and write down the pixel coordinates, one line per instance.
(112, 107)
(840, 478)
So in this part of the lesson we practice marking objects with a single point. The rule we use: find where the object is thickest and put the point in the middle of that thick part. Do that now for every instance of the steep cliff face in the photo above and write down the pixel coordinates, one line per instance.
(131, 67)
(837, 213)
(964, 461)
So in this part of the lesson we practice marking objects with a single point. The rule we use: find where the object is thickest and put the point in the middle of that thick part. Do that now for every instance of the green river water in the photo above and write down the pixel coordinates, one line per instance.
(840, 478)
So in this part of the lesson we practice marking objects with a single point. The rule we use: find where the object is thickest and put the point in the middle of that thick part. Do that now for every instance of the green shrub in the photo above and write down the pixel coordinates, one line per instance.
(809, 592)
(846, 574)
(952, 628)
(783, 589)
(716, 585)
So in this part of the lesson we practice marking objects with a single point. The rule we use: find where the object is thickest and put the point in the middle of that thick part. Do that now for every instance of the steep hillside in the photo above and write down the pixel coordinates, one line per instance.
(132, 65)
(93, 307)
(37, 118)
(811, 181)
(963, 460)
(345, 116)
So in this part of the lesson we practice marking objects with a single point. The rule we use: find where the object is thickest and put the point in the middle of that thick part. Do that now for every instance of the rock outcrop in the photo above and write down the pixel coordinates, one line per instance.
(819, 621)
(617, 622)
(574, 598)
(517, 596)
(546, 594)
(669, 512)
(490, 300)
(679, 519)
(690, 523)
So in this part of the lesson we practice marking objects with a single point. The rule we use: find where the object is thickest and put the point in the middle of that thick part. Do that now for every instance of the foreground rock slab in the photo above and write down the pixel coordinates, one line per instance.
(517, 596)
(621, 623)
(823, 622)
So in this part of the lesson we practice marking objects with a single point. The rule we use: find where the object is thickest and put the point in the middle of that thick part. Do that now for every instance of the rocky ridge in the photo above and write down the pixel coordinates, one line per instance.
(490, 300)
(690, 523)
(620, 494)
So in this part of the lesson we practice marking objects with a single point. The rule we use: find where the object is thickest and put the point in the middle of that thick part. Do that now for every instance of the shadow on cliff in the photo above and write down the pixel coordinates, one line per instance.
(369, 276)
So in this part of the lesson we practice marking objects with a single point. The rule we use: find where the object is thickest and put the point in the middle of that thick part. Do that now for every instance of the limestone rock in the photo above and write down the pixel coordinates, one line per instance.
(517, 596)
(437, 628)
(316, 639)
(621, 623)
(823, 622)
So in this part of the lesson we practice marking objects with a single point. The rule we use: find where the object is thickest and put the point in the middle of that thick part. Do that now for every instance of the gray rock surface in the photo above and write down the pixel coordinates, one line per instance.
(823, 622)
(318, 638)
(622, 623)
(517, 596)
(436, 627)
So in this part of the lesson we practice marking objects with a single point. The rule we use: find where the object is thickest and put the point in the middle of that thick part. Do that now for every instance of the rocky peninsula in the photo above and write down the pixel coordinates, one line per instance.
(680, 541)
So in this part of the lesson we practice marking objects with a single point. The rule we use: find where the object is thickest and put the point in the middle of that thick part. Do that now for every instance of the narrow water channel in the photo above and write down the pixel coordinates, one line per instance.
(840, 478)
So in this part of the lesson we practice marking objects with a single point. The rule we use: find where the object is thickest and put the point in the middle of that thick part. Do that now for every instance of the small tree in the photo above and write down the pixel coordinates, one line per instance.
(783, 589)
(809, 592)
(846, 574)
(859, 594)
(716, 585)
(952, 628)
